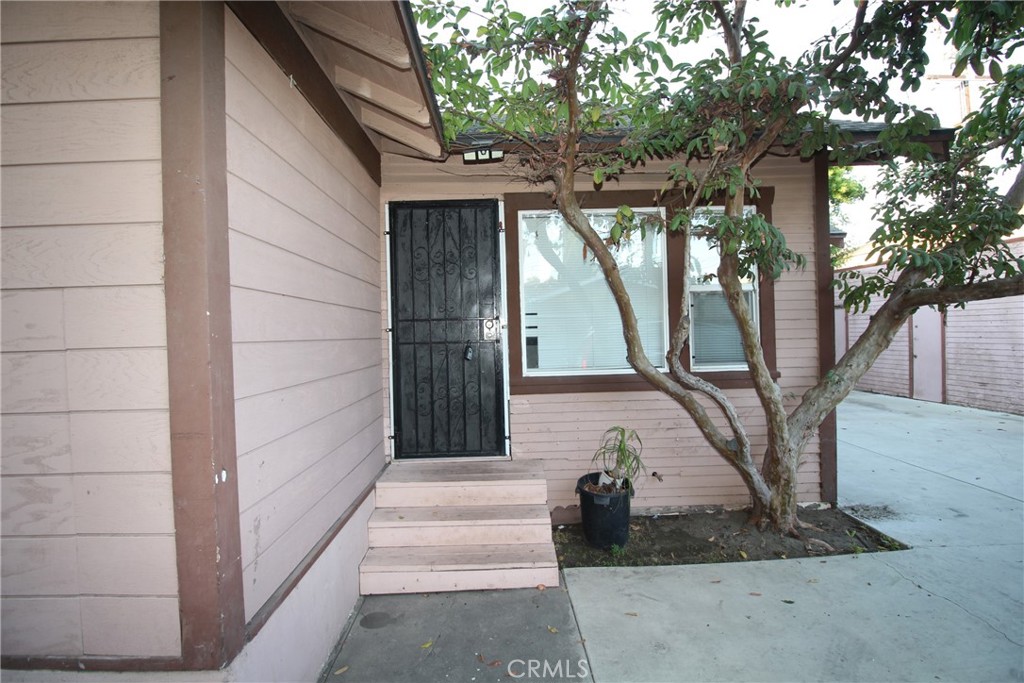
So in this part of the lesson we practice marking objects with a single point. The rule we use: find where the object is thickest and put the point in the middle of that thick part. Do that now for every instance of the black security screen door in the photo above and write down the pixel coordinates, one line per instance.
(446, 333)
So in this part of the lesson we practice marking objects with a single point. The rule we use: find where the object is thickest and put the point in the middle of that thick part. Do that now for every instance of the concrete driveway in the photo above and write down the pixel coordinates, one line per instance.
(950, 482)
(946, 480)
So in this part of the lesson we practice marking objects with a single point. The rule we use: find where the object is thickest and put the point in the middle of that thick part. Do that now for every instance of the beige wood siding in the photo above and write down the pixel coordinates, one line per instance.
(562, 430)
(305, 299)
(891, 372)
(985, 353)
(982, 353)
(88, 553)
(982, 363)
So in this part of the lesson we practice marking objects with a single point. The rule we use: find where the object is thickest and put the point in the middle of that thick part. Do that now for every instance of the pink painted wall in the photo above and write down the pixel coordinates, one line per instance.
(971, 356)
(891, 372)
(562, 430)
(985, 352)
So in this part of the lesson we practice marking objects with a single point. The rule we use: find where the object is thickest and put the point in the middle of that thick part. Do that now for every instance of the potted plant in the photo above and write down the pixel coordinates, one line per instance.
(604, 495)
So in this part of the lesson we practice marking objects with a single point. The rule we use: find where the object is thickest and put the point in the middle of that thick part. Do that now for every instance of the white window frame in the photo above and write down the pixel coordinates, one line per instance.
(716, 286)
(659, 363)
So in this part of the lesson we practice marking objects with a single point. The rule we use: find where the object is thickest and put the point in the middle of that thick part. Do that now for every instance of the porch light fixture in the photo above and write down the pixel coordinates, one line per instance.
(482, 156)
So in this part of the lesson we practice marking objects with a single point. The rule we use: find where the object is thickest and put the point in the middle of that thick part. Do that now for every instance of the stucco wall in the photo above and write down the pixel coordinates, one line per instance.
(305, 298)
(562, 430)
(88, 554)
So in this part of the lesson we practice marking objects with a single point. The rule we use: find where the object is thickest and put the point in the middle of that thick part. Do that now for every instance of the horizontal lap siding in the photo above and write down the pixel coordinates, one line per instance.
(985, 353)
(796, 313)
(88, 536)
(562, 430)
(305, 297)
(796, 304)
(983, 344)
(891, 372)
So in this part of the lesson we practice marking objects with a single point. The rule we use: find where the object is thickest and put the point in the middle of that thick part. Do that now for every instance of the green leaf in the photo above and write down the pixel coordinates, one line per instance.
(995, 71)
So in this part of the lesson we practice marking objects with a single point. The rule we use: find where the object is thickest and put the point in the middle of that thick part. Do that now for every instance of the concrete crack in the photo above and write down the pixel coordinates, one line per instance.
(576, 620)
(949, 600)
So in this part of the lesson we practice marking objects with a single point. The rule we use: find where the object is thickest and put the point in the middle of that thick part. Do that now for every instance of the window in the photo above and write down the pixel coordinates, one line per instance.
(580, 349)
(714, 336)
(570, 324)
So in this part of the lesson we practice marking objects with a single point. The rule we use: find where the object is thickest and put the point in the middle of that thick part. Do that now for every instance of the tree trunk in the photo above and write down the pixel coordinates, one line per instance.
(779, 473)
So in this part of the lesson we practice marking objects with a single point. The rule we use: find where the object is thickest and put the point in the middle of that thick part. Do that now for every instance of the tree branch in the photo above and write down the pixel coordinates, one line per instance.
(737, 16)
(821, 399)
(737, 452)
(768, 392)
(982, 150)
(857, 36)
(728, 30)
(1014, 197)
(975, 291)
(680, 335)
(772, 131)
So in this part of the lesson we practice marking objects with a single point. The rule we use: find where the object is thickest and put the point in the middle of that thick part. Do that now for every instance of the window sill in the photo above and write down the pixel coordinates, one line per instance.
(571, 384)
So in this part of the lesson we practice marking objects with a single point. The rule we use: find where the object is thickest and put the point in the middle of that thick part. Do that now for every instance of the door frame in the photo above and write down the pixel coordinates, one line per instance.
(503, 323)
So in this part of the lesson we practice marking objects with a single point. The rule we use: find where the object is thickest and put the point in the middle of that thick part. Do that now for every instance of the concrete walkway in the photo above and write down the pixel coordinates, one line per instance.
(946, 480)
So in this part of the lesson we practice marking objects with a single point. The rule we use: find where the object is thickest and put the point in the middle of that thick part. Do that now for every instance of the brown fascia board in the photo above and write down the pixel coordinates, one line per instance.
(938, 139)
(419, 65)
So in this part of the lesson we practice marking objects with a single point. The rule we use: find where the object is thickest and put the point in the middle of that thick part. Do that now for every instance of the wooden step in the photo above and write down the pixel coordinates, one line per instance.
(460, 525)
(454, 568)
(486, 472)
(426, 484)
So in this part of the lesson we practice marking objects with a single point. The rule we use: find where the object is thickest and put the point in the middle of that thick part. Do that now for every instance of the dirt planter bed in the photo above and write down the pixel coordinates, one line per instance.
(721, 536)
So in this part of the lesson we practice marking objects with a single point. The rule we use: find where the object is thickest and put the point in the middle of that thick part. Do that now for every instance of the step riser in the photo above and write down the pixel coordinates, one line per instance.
(456, 527)
(383, 583)
(432, 495)
(459, 535)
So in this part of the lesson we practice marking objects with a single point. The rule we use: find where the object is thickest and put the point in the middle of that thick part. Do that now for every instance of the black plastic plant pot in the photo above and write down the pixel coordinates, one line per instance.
(605, 515)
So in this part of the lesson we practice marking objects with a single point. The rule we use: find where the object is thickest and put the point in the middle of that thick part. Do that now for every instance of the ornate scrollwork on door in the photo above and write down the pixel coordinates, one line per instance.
(447, 361)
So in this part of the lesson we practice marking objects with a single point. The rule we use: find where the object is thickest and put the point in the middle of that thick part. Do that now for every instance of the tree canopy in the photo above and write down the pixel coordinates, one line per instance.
(571, 96)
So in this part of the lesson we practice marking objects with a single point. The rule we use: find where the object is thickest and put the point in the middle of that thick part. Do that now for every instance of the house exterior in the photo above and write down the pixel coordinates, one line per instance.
(192, 364)
(217, 347)
(971, 356)
(557, 419)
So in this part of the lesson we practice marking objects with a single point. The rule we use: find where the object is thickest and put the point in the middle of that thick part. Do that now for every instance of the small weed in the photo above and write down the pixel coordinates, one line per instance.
(618, 551)
(889, 543)
(857, 550)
